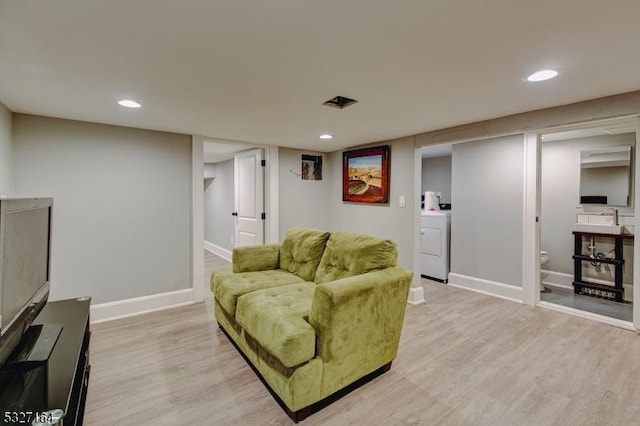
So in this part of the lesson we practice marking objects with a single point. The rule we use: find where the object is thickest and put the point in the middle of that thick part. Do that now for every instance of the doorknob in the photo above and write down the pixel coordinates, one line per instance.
(234, 214)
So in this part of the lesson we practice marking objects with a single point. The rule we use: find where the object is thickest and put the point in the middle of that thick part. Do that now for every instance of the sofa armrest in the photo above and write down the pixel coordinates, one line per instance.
(256, 258)
(358, 320)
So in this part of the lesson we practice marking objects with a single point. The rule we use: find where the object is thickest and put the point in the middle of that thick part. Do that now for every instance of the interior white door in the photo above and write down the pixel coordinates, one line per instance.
(249, 198)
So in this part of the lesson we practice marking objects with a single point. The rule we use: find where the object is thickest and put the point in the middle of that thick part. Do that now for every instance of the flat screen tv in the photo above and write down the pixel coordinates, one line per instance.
(25, 253)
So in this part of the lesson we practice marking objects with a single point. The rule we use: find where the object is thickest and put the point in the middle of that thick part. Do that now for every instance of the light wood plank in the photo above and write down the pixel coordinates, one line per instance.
(464, 359)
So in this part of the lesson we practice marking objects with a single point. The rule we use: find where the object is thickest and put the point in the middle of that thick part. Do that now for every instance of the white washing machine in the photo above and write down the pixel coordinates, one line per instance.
(435, 235)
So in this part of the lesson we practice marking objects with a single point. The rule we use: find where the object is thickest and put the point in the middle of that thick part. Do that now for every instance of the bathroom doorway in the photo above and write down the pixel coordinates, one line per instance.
(587, 220)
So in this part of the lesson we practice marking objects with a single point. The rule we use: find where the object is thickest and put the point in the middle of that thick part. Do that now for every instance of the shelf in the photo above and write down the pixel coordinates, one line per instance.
(62, 380)
(592, 259)
(599, 234)
(616, 294)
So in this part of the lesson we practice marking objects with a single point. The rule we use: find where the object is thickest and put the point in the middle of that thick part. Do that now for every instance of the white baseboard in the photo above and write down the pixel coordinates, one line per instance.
(416, 296)
(217, 250)
(140, 305)
(491, 288)
(556, 279)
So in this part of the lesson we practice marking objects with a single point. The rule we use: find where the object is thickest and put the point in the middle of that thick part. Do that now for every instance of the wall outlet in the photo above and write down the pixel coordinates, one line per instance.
(439, 195)
(402, 201)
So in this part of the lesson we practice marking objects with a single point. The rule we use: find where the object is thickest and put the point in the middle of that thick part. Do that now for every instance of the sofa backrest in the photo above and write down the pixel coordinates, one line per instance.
(301, 251)
(348, 254)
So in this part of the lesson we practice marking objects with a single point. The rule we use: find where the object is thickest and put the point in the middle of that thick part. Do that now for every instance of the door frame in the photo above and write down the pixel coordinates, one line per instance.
(531, 225)
(197, 208)
(531, 219)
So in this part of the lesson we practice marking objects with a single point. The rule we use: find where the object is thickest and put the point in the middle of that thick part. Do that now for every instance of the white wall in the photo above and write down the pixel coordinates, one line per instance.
(303, 202)
(218, 205)
(386, 221)
(6, 152)
(209, 170)
(560, 188)
(486, 218)
(436, 176)
(122, 205)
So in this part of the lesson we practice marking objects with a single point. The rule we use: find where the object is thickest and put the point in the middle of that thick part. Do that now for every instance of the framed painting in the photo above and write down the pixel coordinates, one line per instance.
(365, 175)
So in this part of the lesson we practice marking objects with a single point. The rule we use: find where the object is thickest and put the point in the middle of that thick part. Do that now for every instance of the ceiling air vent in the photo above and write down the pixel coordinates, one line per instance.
(339, 102)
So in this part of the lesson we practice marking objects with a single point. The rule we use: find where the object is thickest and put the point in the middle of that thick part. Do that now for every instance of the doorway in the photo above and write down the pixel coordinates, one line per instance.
(233, 196)
(431, 164)
(435, 212)
(587, 196)
(208, 156)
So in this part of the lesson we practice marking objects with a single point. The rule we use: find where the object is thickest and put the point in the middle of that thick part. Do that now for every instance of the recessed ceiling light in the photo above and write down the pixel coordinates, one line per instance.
(129, 103)
(542, 75)
(326, 136)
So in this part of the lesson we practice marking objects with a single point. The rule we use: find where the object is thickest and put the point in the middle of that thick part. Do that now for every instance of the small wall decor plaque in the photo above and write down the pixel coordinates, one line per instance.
(311, 167)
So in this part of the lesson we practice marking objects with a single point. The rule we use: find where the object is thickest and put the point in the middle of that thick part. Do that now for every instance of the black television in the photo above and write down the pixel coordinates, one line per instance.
(25, 264)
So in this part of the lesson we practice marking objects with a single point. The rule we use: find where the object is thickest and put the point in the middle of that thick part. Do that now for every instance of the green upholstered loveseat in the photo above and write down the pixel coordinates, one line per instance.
(315, 313)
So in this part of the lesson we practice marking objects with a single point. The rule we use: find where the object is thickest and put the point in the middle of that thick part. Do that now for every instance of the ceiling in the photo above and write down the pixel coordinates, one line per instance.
(258, 71)
(218, 151)
(433, 151)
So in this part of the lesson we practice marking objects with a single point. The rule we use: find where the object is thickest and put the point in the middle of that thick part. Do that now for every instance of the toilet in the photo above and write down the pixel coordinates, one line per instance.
(544, 259)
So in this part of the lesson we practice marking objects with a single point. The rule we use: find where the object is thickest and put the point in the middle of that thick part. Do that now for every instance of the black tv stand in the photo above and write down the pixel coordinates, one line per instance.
(49, 370)
(34, 349)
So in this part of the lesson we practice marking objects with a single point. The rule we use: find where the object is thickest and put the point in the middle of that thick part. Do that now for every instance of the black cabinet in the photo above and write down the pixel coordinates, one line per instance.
(60, 382)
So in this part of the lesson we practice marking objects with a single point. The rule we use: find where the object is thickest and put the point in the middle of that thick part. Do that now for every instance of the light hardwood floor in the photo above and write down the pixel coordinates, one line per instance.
(464, 359)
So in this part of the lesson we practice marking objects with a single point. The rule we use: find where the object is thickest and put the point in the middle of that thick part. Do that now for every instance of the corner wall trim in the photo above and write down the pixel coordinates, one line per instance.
(491, 288)
(217, 250)
(140, 305)
(197, 217)
(416, 296)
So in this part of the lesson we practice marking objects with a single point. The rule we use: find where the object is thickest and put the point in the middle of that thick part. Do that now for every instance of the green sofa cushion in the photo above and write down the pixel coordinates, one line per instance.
(228, 286)
(301, 251)
(255, 258)
(348, 254)
(277, 319)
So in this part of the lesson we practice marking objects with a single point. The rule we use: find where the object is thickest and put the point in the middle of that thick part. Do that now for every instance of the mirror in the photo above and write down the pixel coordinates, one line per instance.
(605, 176)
